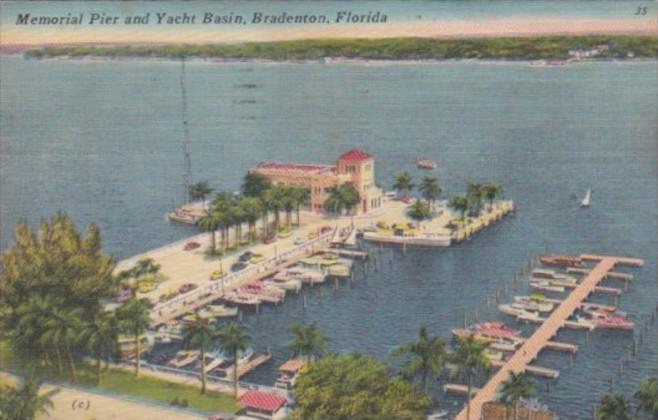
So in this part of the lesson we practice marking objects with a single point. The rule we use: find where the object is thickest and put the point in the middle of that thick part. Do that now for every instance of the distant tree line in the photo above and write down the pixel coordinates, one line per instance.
(530, 48)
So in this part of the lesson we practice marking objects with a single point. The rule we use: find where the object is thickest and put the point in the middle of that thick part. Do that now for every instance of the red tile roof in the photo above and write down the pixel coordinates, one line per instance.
(355, 155)
(300, 167)
(262, 401)
(292, 365)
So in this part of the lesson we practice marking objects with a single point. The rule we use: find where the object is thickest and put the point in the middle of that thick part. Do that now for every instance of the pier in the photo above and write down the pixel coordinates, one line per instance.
(205, 294)
(532, 346)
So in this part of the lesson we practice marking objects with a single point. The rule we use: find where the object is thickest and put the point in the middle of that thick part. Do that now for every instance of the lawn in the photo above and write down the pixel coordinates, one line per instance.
(156, 389)
(121, 382)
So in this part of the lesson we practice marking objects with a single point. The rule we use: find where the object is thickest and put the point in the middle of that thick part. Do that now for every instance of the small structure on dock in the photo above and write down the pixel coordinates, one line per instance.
(497, 411)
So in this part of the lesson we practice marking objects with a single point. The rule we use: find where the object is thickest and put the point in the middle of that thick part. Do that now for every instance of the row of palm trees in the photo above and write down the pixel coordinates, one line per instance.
(60, 336)
(429, 187)
(472, 202)
(258, 201)
(427, 357)
(306, 341)
(617, 407)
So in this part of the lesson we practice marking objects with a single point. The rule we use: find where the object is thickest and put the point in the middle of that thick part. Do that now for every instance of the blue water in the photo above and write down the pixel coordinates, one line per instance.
(101, 140)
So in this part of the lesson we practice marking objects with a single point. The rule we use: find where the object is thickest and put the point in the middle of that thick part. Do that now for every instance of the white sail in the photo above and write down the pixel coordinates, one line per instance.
(587, 198)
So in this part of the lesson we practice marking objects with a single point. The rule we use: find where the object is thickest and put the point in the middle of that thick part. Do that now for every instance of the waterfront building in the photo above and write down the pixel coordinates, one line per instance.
(355, 166)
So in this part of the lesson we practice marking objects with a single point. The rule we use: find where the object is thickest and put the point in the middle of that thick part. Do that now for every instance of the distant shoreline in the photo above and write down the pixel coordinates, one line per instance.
(575, 48)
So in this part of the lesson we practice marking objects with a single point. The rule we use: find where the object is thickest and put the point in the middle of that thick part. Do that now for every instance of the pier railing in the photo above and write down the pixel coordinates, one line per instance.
(215, 289)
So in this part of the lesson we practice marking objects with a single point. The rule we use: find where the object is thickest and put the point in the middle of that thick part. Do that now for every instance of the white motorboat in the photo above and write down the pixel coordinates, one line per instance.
(184, 358)
(222, 311)
(546, 286)
(283, 281)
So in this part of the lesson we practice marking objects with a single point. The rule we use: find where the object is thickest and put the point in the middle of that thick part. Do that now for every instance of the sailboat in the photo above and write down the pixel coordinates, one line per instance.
(587, 198)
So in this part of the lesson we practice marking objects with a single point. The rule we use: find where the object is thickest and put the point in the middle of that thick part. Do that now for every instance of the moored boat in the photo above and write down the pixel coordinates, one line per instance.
(561, 260)
(283, 281)
(222, 311)
(608, 320)
(546, 286)
(426, 164)
(127, 349)
(492, 330)
(184, 358)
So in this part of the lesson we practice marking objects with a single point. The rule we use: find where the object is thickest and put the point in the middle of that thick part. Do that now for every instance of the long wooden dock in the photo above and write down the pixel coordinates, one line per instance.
(532, 346)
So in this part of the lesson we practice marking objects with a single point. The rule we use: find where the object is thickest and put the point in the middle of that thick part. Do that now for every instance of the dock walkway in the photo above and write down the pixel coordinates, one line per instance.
(531, 348)
(201, 296)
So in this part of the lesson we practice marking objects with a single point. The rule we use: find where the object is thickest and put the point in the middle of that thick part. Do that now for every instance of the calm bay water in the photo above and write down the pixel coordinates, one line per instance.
(101, 140)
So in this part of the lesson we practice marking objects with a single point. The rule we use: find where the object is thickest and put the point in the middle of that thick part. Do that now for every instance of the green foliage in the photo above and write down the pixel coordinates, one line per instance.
(459, 203)
(56, 260)
(25, 401)
(232, 339)
(647, 397)
(427, 356)
(613, 407)
(517, 386)
(341, 198)
(430, 189)
(200, 190)
(355, 386)
(200, 334)
(470, 360)
(255, 185)
(403, 183)
(306, 340)
(419, 211)
(519, 48)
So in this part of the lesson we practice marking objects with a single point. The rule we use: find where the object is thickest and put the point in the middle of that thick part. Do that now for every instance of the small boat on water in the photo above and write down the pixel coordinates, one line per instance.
(222, 311)
(536, 303)
(587, 199)
(184, 358)
(561, 260)
(540, 273)
(546, 286)
(308, 276)
(609, 320)
(492, 330)
(283, 281)
(126, 345)
(241, 299)
(426, 164)
(437, 415)
(339, 270)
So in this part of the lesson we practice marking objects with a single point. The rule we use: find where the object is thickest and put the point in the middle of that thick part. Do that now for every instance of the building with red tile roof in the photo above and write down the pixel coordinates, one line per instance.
(354, 166)
(261, 403)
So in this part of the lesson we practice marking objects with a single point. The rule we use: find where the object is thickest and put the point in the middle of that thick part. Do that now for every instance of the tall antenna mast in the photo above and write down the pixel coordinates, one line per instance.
(187, 175)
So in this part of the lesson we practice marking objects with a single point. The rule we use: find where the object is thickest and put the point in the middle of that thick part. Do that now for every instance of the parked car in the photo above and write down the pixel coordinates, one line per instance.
(191, 245)
(187, 287)
(246, 256)
(325, 229)
(238, 266)
(216, 275)
(268, 239)
(407, 200)
(299, 241)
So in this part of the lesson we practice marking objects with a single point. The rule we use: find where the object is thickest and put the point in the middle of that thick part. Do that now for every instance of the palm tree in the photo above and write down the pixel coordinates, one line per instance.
(64, 328)
(612, 407)
(273, 202)
(232, 339)
(459, 203)
(253, 210)
(31, 331)
(200, 334)
(289, 202)
(25, 402)
(306, 340)
(428, 357)
(210, 224)
(302, 198)
(647, 396)
(101, 335)
(517, 386)
(134, 319)
(491, 192)
(200, 190)
(403, 184)
(431, 190)
(145, 266)
(470, 360)
(474, 197)
(342, 197)
(237, 215)
(419, 211)
(255, 185)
